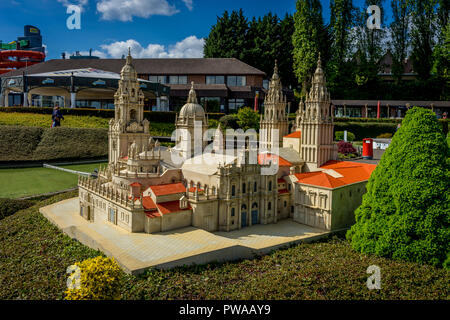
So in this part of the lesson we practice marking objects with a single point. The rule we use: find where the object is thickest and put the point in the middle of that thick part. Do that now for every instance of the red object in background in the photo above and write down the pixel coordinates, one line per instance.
(378, 110)
(367, 149)
(7, 65)
(256, 101)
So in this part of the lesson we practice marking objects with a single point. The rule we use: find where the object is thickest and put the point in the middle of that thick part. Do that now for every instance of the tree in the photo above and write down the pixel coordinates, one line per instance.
(405, 213)
(248, 119)
(309, 39)
(399, 36)
(228, 37)
(422, 36)
(341, 22)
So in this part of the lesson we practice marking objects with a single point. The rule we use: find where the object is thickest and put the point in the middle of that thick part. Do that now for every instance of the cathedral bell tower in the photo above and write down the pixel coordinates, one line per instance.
(275, 117)
(315, 121)
(128, 125)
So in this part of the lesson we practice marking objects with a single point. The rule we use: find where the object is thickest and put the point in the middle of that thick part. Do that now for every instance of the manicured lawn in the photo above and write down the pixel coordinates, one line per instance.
(33, 181)
(34, 256)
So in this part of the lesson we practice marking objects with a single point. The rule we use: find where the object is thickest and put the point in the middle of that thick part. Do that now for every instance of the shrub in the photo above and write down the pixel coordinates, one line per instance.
(363, 130)
(248, 119)
(229, 121)
(18, 143)
(11, 206)
(385, 136)
(406, 211)
(346, 148)
(100, 279)
(339, 135)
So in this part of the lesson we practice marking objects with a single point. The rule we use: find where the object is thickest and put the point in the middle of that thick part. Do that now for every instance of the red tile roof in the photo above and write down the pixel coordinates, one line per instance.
(192, 189)
(170, 206)
(351, 172)
(281, 180)
(166, 189)
(265, 158)
(282, 191)
(148, 204)
(136, 184)
(296, 134)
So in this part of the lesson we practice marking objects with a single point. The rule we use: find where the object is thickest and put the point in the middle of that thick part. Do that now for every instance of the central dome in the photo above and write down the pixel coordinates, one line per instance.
(192, 108)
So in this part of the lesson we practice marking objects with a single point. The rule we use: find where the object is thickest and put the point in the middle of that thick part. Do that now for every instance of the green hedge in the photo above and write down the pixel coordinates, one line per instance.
(10, 206)
(156, 116)
(19, 143)
(365, 129)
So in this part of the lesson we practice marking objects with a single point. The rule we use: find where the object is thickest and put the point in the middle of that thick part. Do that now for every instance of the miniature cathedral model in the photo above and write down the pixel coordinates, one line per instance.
(143, 190)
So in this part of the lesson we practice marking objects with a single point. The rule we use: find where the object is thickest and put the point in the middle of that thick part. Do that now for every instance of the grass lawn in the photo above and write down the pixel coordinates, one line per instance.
(33, 181)
(34, 256)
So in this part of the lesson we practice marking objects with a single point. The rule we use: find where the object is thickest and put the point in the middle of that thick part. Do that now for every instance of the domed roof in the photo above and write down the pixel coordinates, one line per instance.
(192, 108)
(128, 71)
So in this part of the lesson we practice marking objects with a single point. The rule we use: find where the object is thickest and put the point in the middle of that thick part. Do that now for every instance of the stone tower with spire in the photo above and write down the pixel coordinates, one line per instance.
(315, 121)
(128, 125)
(275, 117)
(191, 124)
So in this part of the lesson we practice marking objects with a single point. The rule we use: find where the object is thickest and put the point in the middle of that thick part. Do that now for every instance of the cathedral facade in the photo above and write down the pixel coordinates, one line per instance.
(142, 189)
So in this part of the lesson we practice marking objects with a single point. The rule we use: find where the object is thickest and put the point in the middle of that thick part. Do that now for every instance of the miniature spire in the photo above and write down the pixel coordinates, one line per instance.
(129, 58)
(192, 95)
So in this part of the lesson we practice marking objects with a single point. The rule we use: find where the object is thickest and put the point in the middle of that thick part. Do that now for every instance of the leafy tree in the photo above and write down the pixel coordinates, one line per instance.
(309, 39)
(405, 213)
(248, 119)
(400, 36)
(341, 22)
(422, 36)
(228, 37)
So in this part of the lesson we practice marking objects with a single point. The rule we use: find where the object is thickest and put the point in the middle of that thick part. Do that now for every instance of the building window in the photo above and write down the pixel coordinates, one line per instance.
(215, 80)
(232, 212)
(270, 185)
(255, 187)
(285, 204)
(243, 188)
(178, 80)
(289, 186)
(236, 81)
(210, 104)
(266, 84)
(269, 206)
(234, 104)
(158, 79)
(233, 191)
(292, 209)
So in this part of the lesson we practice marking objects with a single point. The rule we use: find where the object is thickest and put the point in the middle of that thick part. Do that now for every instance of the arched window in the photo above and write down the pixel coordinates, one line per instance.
(255, 206)
(269, 206)
(232, 212)
(243, 207)
(270, 185)
(132, 114)
(233, 191)
(243, 188)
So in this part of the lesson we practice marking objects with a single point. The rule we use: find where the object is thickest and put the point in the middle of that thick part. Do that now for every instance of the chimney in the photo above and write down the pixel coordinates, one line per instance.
(63, 55)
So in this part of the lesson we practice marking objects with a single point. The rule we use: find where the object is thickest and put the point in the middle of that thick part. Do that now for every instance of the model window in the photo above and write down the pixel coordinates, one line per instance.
(243, 188)
(255, 187)
(292, 209)
(233, 191)
(285, 204)
(270, 185)
(232, 212)
(269, 206)
(289, 187)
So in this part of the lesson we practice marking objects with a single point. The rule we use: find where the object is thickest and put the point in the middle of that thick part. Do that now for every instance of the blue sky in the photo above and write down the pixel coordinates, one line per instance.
(152, 28)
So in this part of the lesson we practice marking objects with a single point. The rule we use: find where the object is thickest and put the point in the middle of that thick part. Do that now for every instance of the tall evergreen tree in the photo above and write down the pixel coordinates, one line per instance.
(309, 39)
(399, 36)
(341, 22)
(284, 54)
(422, 36)
(405, 213)
(228, 37)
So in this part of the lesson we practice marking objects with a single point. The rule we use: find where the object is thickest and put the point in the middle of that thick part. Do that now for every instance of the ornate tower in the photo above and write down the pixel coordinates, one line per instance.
(191, 124)
(315, 120)
(128, 125)
(275, 117)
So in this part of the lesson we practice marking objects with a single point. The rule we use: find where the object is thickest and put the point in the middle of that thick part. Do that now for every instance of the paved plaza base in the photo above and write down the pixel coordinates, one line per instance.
(136, 252)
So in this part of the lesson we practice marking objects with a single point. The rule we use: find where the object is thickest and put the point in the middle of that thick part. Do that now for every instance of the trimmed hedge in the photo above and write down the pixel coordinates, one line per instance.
(365, 129)
(19, 143)
(10, 206)
(156, 116)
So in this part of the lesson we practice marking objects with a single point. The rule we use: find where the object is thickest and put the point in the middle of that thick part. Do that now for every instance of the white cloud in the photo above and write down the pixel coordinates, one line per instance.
(189, 4)
(191, 47)
(125, 10)
(80, 3)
